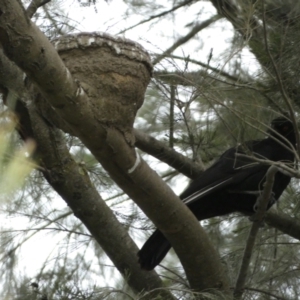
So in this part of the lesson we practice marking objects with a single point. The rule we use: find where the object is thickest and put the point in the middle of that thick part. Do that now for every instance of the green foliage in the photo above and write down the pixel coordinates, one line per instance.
(15, 164)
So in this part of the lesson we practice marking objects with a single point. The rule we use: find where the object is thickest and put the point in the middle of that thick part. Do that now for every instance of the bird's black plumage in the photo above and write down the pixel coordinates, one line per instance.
(231, 184)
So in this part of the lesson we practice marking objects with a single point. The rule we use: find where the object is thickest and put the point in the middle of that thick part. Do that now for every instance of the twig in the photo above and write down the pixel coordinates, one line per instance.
(184, 3)
(265, 292)
(257, 218)
(172, 104)
(181, 280)
(36, 230)
(186, 38)
(215, 70)
(279, 164)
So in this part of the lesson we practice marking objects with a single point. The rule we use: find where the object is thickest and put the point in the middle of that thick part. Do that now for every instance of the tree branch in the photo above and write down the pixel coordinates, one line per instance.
(172, 104)
(166, 154)
(111, 148)
(262, 203)
(205, 66)
(186, 38)
(34, 5)
(284, 223)
(73, 184)
(183, 3)
(267, 293)
(69, 179)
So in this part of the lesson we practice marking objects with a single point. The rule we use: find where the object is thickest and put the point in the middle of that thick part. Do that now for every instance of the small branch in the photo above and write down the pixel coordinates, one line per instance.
(34, 5)
(264, 198)
(283, 168)
(36, 230)
(206, 66)
(186, 38)
(284, 223)
(184, 109)
(184, 3)
(166, 154)
(172, 104)
(264, 292)
(258, 217)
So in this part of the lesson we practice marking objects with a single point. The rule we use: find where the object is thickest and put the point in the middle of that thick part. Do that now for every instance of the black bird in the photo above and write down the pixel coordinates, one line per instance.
(231, 184)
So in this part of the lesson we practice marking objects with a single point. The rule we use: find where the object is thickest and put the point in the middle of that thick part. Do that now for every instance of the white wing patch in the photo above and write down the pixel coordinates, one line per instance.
(203, 192)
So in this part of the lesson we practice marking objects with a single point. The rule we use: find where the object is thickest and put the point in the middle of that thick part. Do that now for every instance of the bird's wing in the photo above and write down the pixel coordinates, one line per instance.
(207, 190)
(228, 172)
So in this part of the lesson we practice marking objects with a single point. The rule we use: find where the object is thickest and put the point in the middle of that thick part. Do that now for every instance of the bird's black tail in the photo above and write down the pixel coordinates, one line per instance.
(153, 251)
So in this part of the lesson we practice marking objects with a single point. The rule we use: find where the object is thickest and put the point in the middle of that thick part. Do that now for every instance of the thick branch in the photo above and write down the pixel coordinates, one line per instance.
(73, 180)
(72, 183)
(34, 5)
(41, 62)
(10, 75)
